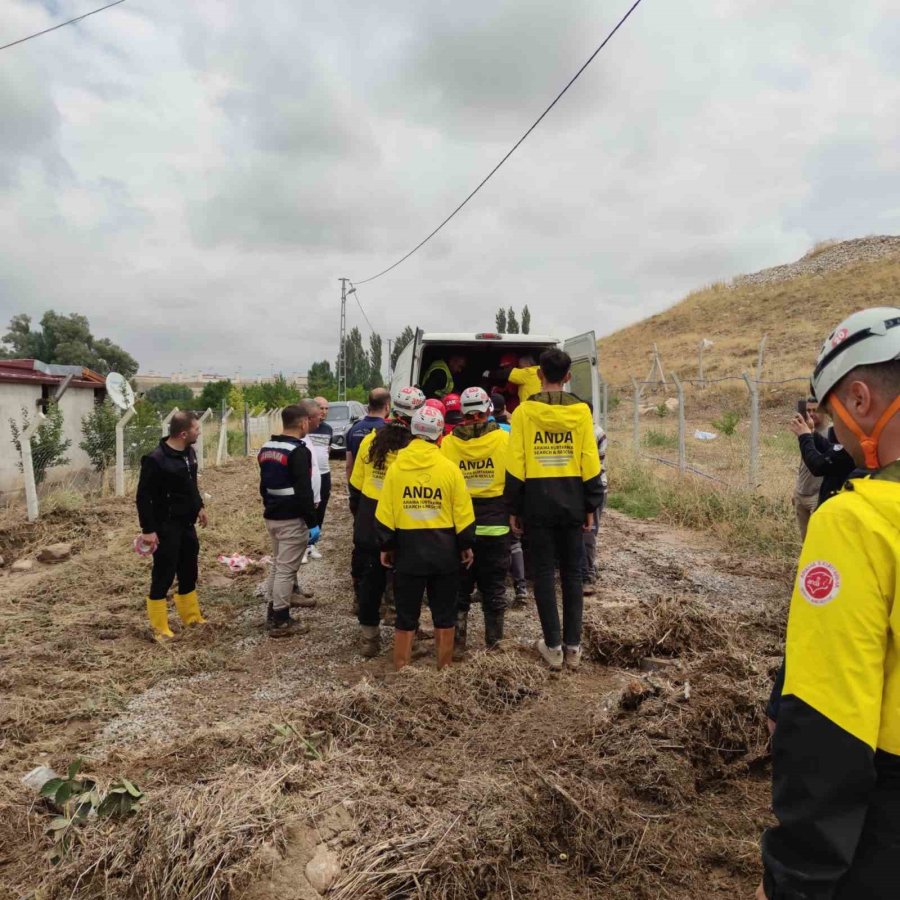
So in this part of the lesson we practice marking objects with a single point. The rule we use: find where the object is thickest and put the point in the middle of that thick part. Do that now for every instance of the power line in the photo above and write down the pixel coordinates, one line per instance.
(515, 147)
(61, 25)
(356, 296)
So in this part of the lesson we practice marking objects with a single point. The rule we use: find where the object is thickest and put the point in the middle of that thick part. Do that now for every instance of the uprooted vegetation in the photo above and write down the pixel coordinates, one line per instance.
(491, 778)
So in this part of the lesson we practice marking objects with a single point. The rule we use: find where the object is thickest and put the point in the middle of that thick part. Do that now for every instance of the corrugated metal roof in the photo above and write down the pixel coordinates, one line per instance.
(33, 371)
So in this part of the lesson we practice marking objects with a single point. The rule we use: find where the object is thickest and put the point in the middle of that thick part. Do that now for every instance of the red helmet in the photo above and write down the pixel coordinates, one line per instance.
(452, 403)
(434, 403)
(509, 359)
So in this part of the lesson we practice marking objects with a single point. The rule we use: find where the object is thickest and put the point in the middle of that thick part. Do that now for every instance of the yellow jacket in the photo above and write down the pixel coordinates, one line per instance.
(479, 452)
(366, 483)
(553, 466)
(836, 750)
(424, 512)
(527, 380)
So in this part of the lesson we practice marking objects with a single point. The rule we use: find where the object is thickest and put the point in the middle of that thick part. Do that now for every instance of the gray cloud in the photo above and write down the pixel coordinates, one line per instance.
(195, 177)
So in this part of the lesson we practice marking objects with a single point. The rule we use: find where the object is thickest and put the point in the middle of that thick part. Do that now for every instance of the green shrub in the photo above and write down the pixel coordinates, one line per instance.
(728, 422)
(660, 439)
(99, 429)
(48, 448)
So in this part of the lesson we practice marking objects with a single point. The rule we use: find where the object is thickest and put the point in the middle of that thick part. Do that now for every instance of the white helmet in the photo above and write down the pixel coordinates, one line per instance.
(474, 400)
(427, 423)
(406, 401)
(866, 338)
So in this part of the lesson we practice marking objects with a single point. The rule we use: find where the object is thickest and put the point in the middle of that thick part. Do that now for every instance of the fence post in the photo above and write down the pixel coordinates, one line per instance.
(166, 420)
(754, 430)
(604, 405)
(246, 429)
(636, 420)
(201, 421)
(31, 498)
(120, 450)
(682, 456)
(222, 452)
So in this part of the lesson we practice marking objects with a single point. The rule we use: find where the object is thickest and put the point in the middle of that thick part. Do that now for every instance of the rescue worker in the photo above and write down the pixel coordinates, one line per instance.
(478, 449)
(519, 374)
(426, 527)
(438, 379)
(453, 414)
(498, 411)
(376, 454)
(836, 750)
(377, 411)
(289, 510)
(553, 488)
(169, 504)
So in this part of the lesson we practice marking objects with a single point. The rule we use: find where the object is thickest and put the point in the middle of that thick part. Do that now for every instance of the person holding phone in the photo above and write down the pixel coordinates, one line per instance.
(806, 421)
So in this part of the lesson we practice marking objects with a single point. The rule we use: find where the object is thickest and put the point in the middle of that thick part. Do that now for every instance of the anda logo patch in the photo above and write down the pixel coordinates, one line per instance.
(553, 449)
(475, 465)
(553, 437)
(819, 583)
(422, 492)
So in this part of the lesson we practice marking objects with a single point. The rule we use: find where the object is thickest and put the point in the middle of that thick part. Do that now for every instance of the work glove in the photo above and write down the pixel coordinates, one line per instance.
(314, 534)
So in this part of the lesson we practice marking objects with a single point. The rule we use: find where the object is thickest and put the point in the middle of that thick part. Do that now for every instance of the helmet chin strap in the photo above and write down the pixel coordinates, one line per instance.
(868, 442)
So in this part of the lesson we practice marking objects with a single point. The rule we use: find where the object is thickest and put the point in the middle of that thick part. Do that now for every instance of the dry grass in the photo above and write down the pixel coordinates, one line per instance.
(794, 314)
(491, 778)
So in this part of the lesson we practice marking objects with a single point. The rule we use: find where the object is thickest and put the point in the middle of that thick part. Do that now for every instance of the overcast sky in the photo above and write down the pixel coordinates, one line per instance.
(195, 176)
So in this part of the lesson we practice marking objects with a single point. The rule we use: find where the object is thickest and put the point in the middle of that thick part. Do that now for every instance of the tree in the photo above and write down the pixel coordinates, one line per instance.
(99, 429)
(375, 378)
(141, 433)
(407, 336)
(512, 324)
(526, 320)
(358, 366)
(67, 340)
(321, 379)
(165, 396)
(500, 321)
(213, 393)
(48, 448)
(235, 399)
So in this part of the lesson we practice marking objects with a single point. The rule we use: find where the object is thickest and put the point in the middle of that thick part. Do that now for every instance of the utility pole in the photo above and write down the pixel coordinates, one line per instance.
(342, 351)
(390, 361)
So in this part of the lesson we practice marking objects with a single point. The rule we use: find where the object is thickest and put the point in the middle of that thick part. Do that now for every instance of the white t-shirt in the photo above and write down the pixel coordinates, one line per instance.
(316, 473)
(319, 442)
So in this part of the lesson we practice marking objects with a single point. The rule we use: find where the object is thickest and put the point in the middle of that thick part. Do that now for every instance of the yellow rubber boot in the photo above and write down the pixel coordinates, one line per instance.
(158, 614)
(188, 607)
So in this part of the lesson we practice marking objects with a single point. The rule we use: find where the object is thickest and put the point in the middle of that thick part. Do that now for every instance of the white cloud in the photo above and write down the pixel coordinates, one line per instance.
(195, 177)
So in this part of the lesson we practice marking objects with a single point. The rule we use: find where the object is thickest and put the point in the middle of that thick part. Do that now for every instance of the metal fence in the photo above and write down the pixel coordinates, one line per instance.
(732, 431)
(112, 443)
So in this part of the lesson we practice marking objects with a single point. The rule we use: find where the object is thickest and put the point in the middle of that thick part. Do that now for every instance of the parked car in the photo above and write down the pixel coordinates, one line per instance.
(483, 352)
(341, 416)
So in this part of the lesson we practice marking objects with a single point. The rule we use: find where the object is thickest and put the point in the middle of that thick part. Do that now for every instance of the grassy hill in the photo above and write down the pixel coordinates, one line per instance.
(794, 305)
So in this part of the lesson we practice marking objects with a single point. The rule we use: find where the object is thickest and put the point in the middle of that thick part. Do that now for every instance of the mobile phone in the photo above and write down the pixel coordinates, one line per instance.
(801, 408)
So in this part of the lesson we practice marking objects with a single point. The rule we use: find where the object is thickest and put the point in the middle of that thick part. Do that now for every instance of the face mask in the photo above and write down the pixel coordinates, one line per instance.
(868, 442)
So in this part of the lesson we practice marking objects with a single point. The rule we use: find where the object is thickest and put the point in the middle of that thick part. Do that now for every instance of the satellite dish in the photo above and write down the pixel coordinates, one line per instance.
(119, 390)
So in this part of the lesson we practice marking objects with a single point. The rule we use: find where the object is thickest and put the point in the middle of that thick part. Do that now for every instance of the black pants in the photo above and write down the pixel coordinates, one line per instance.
(546, 545)
(487, 573)
(408, 591)
(371, 578)
(326, 494)
(176, 555)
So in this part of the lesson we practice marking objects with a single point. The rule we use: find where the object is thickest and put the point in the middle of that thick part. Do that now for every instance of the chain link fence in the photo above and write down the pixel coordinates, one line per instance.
(731, 431)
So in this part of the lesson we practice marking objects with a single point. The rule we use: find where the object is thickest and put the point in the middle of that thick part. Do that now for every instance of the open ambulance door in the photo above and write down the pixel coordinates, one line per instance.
(585, 381)
(407, 365)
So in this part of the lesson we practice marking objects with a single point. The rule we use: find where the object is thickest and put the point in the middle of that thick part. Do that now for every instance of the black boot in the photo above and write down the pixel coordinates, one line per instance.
(459, 639)
(493, 627)
(270, 613)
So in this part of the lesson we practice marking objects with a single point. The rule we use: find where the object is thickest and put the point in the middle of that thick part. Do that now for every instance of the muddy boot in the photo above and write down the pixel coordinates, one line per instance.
(552, 656)
(459, 641)
(301, 599)
(588, 589)
(521, 595)
(270, 613)
(572, 656)
(369, 640)
(443, 645)
(282, 625)
(493, 627)
(403, 641)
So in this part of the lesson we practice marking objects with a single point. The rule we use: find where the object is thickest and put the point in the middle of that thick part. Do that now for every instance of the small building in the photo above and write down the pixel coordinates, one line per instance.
(25, 382)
